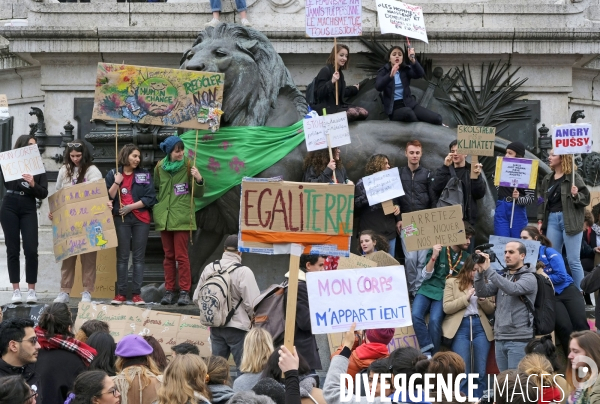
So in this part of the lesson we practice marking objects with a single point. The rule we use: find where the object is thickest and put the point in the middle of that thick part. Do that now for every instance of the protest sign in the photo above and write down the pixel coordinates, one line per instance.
(123, 320)
(4, 107)
(499, 243)
(106, 276)
(383, 186)
(403, 337)
(24, 160)
(516, 173)
(355, 261)
(400, 18)
(81, 220)
(594, 200)
(336, 126)
(192, 332)
(330, 19)
(423, 229)
(369, 297)
(475, 140)
(158, 96)
(572, 138)
(314, 133)
(383, 259)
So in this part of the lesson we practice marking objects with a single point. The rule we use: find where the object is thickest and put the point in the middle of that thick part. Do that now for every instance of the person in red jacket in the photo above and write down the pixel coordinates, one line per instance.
(375, 347)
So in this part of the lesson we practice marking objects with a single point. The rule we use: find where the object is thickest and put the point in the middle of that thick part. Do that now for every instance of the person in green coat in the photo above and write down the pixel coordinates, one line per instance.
(174, 179)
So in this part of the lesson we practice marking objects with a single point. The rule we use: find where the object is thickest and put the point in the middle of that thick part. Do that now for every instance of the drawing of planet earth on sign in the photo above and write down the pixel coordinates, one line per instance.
(157, 96)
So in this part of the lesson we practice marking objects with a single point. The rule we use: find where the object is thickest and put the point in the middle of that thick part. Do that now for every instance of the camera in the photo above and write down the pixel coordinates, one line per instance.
(486, 248)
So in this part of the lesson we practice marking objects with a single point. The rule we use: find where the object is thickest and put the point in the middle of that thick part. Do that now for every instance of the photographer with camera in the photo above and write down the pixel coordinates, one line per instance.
(513, 327)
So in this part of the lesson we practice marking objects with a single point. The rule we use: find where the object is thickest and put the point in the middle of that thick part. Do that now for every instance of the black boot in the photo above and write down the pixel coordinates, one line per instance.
(168, 298)
(184, 298)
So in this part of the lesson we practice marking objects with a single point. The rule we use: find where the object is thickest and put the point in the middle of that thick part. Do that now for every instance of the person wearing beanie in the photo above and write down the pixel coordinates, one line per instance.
(507, 197)
(137, 372)
(375, 347)
(176, 179)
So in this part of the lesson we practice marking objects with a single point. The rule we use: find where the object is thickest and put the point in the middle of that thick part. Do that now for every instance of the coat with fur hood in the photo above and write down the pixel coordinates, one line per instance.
(364, 355)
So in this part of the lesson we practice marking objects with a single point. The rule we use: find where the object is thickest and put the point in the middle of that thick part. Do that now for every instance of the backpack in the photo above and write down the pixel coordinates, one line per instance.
(543, 309)
(452, 193)
(214, 297)
(269, 312)
(310, 93)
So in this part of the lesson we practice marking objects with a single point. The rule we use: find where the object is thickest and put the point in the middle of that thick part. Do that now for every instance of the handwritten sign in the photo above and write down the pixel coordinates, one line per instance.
(330, 19)
(423, 229)
(158, 96)
(400, 18)
(476, 140)
(4, 107)
(403, 337)
(24, 160)
(572, 138)
(516, 173)
(355, 261)
(336, 125)
(383, 186)
(499, 243)
(314, 133)
(81, 220)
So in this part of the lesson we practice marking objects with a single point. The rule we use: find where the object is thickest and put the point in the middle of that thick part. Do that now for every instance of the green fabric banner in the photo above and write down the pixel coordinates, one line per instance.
(232, 153)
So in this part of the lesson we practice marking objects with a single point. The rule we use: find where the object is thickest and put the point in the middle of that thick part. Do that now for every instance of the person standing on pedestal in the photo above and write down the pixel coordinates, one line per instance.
(18, 217)
(215, 6)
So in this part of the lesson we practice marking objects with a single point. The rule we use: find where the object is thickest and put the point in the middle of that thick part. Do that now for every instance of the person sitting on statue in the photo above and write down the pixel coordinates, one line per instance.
(326, 87)
(215, 6)
(318, 167)
(393, 79)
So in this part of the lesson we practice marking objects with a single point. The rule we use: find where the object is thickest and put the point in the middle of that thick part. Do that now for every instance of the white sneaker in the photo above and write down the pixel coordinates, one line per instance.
(212, 23)
(246, 23)
(17, 298)
(31, 296)
(62, 298)
(86, 297)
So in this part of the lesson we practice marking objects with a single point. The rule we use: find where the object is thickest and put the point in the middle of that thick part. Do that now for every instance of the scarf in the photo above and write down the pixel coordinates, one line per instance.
(596, 229)
(171, 166)
(58, 341)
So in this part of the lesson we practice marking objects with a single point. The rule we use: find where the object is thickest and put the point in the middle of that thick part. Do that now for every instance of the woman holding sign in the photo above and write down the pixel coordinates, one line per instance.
(393, 80)
(18, 217)
(561, 213)
(319, 168)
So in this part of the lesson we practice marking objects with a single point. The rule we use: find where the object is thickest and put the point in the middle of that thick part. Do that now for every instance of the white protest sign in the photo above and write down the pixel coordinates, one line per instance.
(572, 138)
(370, 297)
(326, 18)
(516, 173)
(4, 106)
(499, 243)
(400, 18)
(336, 125)
(25, 160)
(314, 133)
(383, 186)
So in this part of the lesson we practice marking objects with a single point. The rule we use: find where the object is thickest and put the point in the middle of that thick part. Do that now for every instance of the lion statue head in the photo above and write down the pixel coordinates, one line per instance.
(259, 89)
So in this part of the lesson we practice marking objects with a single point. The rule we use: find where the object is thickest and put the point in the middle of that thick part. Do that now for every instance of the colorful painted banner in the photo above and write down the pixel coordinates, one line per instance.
(499, 242)
(158, 96)
(516, 173)
(4, 107)
(396, 17)
(370, 297)
(383, 186)
(330, 19)
(422, 229)
(572, 138)
(25, 160)
(81, 220)
(475, 140)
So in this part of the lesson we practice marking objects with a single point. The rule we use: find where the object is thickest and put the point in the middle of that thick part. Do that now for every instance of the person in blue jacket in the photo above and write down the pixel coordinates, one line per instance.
(393, 80)
(570, 306)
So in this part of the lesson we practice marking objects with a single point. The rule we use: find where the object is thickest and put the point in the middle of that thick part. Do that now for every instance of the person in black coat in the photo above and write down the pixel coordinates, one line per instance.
(591, 235)
(325, 87)
(319, 168)
(393, 80)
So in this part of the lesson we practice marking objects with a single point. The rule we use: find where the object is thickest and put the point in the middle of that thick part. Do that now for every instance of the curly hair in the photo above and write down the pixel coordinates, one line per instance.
(319, 159)
(566, 163)
(381, 244)
(376, 163)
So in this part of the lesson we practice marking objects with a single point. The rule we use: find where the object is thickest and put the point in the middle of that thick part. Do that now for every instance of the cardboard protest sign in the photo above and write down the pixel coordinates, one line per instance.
(4, 107)
(24, 160)
(164, 327)
(403, 337)
(475, 140)
(572, 138)
(192, 332)
(383, 186)
(355, 261)
(314, 134)
(516, 173)
(81, 220)
(280, 212)
(123, 320)
(336, 126)
(158, 96)
(499, 243)
(106, 276)
(330, 19)
(594, 200)
(423, 229)
(383, 259)
(396, 17)
(370, 297)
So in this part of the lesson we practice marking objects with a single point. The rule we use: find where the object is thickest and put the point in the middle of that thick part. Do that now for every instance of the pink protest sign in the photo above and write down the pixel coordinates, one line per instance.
(333, 18)
(572, 138)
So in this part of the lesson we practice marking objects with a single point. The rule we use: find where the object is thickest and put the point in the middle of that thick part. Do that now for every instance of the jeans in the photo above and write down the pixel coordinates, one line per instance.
(18, 216)
(570, 315)
(240, 5)
(502, 219)
(392, 250)
(428, 335)
(509, 354)
(175, 246)
(461, 344)
(228, 340)
(132, 235)
(414, 262)
(557, 235)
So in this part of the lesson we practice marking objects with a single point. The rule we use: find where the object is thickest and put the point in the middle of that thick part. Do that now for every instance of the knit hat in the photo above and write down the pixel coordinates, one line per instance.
(381, 335)
(169, 144)
(133, 345)
(518, 148)
(231, 243)
(270, 388)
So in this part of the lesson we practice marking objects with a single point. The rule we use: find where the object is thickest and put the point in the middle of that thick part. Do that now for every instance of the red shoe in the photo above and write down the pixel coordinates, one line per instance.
(119, 299)
(137, 300)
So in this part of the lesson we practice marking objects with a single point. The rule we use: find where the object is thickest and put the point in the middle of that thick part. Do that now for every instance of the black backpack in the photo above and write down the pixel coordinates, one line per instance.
(453, 193)
(544, 307)
(310, 93)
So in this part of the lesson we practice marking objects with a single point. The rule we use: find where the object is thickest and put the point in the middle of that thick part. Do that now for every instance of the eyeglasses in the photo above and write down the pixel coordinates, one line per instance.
(114, 391)
(32, 340)
(76, 145)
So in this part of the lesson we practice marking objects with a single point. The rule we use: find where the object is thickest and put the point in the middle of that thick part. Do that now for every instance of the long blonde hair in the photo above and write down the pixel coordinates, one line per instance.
(185, 375)
(566, 163)
(258, 347)
(539, 368)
